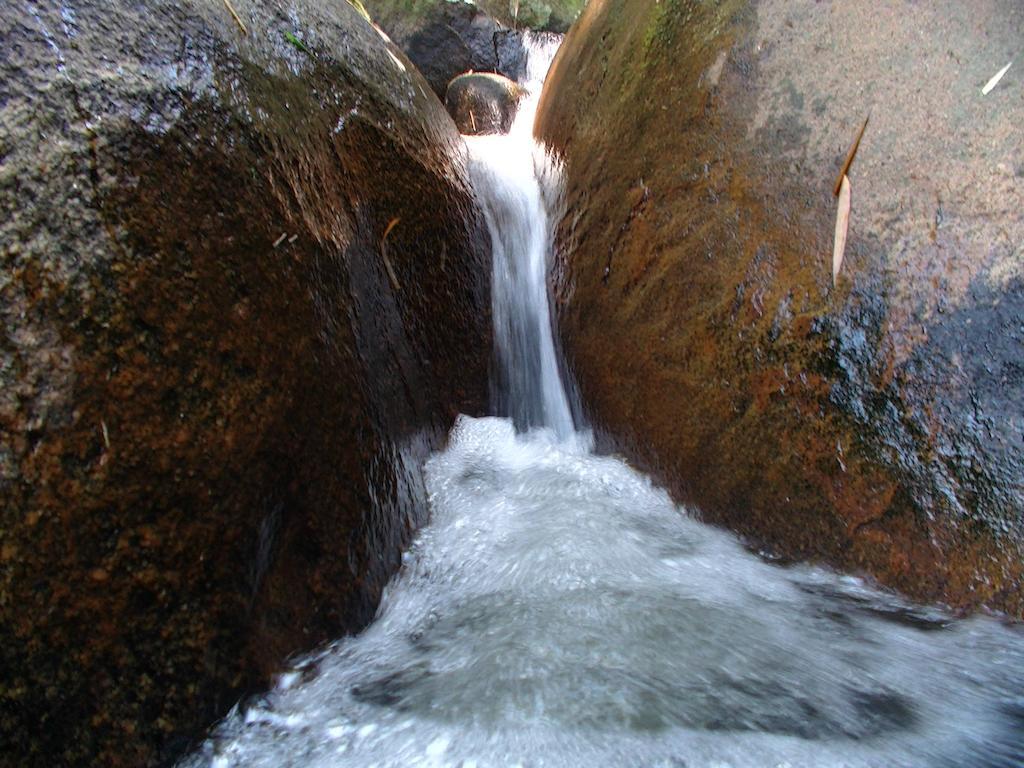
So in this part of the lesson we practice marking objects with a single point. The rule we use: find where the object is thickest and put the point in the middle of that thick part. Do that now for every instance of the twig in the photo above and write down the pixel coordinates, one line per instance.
(851, 153)
(387, 230)
(236, 17)
(384, 254)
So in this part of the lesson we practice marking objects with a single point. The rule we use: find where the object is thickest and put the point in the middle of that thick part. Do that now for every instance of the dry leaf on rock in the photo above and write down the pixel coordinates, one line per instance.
(842, 225)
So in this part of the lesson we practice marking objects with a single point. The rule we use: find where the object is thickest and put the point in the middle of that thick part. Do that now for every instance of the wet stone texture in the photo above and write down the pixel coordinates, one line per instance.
(445, 39)
(482, 103)
(244, 292)
(877, 426)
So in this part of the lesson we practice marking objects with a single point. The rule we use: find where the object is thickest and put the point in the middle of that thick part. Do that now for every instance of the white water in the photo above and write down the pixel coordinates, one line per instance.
(559, 610)
(519, 186)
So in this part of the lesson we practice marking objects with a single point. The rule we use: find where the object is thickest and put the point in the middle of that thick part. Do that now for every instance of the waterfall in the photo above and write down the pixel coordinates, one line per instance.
(561, 611)
(518, 185)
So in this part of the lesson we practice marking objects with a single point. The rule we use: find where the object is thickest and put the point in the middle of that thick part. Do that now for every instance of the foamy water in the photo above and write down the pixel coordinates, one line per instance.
(561, 611)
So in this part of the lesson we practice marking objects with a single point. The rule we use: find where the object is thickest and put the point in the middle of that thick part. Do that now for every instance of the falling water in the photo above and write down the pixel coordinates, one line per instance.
(561, 611)
(518, 186)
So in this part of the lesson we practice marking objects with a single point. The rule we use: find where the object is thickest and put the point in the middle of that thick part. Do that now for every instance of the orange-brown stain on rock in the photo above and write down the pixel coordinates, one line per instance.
(702, 324)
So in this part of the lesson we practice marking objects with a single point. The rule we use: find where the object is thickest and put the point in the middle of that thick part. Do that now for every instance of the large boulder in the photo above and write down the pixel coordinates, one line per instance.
(445, 38)
(482, 102)
(244, 291)
(877, 425)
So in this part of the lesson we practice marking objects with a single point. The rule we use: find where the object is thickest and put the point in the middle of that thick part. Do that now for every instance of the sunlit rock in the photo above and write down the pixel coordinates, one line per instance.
(481, 103)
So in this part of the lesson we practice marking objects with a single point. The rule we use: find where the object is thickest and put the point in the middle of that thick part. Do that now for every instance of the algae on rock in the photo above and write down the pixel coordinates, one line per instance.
(876, 426)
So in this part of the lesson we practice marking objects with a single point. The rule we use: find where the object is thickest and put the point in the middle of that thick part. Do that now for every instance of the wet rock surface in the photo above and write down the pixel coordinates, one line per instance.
(482, 103)
(877, 425)
(223, 356)
(444, 39)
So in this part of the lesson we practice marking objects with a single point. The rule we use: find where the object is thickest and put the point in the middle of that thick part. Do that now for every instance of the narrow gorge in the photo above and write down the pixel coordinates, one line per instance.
(339, 429)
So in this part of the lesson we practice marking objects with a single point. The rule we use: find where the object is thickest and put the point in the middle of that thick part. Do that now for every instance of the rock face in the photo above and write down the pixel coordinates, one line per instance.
(482, 103)
(244, 292)
(877, 425)
(444, 39)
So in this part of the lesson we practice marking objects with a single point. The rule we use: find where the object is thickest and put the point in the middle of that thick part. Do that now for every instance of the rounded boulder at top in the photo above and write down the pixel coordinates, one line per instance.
(481, 102)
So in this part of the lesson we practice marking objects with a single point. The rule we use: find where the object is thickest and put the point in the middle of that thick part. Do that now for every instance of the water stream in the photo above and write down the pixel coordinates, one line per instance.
(561, 610)
(519, 186)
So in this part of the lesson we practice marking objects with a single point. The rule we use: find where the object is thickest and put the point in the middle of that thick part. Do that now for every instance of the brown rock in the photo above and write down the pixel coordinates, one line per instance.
(213, 398)
(482, 103)
(877, 426)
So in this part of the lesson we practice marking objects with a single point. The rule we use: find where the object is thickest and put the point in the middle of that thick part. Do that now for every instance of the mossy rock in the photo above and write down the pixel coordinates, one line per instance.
(543, 15)
(877, 424)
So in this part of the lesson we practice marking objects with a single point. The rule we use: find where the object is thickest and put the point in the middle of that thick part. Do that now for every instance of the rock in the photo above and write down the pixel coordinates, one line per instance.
(515, 48)
(445, 38)
(244, 291)
(482, 103)
(512, 57)
(876, 426)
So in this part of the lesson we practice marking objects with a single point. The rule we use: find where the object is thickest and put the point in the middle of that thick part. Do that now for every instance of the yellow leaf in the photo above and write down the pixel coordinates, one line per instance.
(842, 225)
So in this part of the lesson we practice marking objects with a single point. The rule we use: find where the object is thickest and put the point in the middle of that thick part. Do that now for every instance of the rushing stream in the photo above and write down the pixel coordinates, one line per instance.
(560, 610)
